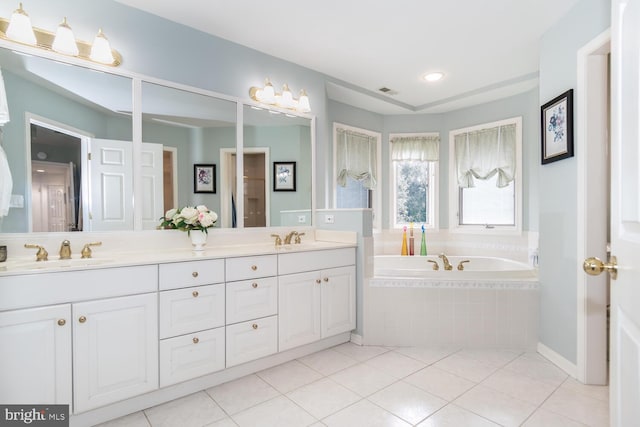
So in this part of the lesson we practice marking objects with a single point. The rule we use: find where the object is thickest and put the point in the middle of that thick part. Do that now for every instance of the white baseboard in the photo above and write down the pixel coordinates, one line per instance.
(356, 339)
(570, 368)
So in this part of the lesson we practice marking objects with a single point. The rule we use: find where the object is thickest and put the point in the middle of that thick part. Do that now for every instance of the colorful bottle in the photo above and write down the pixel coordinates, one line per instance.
(411, 239)
(423, 244)
(404, 241)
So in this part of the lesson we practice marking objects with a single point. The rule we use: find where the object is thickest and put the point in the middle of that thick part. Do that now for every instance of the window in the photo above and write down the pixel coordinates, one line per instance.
(414, 164)
(485, 176)
(356, 162)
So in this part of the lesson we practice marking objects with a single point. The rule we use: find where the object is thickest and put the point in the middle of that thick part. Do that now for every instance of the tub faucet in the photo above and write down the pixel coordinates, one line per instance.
(287, 238)
(445, 260)
(65, 250)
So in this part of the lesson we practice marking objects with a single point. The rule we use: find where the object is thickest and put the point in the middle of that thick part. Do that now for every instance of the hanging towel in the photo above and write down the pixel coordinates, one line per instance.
(6, 183)
(4, 106)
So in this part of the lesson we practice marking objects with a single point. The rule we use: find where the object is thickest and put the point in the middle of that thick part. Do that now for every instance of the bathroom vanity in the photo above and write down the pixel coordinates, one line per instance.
(115, 335)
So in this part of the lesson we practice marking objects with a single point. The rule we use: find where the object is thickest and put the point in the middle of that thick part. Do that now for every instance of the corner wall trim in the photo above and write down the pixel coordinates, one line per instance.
(559, 361)
(356, 339)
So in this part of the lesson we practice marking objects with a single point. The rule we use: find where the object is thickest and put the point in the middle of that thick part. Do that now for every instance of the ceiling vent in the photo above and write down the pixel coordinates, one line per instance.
(388, 91)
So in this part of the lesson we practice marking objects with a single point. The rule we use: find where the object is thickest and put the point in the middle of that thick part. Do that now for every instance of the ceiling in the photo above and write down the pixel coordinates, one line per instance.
(487, 49)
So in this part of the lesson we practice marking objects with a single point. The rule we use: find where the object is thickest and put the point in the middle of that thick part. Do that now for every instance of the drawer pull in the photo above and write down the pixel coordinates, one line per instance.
(195, 294)
(82, 319)
(254, 326)
(326, 279)
(254, 267)
(318, 281)
(194, 274)
(62, 322)
(254, 285)
(196, 340)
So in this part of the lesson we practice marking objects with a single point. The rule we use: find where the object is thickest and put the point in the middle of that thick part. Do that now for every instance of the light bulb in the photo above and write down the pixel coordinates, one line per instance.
(101, 50)
(268, 93)
(303, 102)
(20, 28)
(286, 99)
(65, 42)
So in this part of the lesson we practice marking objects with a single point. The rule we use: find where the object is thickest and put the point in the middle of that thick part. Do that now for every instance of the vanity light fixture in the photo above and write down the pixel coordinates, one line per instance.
(267, 95)
(433, 77)
(18, 29)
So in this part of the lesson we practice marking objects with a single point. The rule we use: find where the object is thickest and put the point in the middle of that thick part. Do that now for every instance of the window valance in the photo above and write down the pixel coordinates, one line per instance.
(423, 148)
(356, 157)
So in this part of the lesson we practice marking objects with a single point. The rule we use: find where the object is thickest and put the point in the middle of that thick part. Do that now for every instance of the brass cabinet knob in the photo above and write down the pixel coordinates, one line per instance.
(254, 267)
(254, 285)
(254, 326)
(196, 340)
(326, 279)
(195, 294)
(194, 274)
(62, 322)
(318, 281)
(82, 319)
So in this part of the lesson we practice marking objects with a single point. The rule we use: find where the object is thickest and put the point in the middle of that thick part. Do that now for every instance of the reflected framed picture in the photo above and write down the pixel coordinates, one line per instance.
(204, 178)
(284, 176)
(557, 128)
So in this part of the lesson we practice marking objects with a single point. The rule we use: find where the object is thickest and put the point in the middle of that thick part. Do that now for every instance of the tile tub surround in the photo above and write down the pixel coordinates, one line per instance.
(407, 386)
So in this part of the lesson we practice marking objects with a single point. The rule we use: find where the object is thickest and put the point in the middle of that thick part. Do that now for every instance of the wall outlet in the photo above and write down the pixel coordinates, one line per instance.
(302, 219)
(329, 219)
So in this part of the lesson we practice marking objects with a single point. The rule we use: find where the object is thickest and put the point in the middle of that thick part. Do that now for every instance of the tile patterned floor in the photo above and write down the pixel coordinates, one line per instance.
(352, 386)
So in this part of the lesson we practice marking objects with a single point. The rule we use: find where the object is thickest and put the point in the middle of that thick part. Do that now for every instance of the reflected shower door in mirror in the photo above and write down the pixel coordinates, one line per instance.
(276, 137)
(181, 129)
(69, 146)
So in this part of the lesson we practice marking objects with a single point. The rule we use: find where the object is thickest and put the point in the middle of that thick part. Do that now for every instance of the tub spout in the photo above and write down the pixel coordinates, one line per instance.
(445, 261)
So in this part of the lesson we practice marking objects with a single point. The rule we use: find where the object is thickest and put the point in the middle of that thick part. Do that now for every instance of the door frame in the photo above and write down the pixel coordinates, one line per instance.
(592, 345)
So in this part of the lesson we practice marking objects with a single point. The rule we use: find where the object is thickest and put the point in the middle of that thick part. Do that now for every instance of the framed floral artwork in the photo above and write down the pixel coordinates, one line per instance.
(204, 178)
(284, 176)
(557, 128)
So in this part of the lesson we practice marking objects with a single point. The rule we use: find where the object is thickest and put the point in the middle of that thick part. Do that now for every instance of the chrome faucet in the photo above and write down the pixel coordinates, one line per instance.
(287, 238)
(445, 260)
(65, 250)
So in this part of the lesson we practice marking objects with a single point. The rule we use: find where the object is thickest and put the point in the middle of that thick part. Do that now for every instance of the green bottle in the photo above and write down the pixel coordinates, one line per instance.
(423, 244)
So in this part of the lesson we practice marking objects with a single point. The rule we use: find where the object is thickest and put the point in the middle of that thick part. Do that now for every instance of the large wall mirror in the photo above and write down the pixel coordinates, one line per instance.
(71, 148)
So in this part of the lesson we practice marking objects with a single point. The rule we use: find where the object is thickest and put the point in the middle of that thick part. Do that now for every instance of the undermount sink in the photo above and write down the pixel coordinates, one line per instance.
(55, 263)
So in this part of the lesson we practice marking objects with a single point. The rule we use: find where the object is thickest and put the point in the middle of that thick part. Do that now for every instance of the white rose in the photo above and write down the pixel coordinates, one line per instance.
(189, 214)
(205, 220)
(170, 214)
(202, 208)
(214, 216)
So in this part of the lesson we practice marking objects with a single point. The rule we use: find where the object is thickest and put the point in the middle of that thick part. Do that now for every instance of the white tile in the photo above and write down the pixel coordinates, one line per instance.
(544, 418)
(364, 414)
(578, 407)
(466, 367)
(427, 356)
(195, 410)
(407, 402)
(242, 393)
(520, 386)
(328, 361)
(137, 419)
(491, 357)
(454, 416)
(363, 379)
(395, 364)
(495, 406)
(278, 412)
(359, 352)
(289, 376)
(537, 367)
(323, 397)
(599, 392)
(441, 383)
(225, 422)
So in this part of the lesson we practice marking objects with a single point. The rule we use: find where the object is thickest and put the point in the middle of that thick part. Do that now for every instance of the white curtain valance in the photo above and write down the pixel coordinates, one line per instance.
(483, 153)
(356, 157)
(423, 148)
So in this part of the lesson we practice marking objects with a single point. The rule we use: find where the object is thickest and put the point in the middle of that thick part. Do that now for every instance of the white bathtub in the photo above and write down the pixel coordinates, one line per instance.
(478, 268)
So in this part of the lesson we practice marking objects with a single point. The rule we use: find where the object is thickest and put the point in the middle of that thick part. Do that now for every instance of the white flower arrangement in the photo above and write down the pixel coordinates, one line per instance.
(189, 218)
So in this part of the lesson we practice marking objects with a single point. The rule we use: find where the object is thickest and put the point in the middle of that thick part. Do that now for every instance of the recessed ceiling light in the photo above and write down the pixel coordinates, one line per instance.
(433, 77)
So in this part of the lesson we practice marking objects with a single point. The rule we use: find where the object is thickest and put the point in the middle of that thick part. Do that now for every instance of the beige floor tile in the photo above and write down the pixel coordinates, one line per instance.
(278, 412)
(364, 414)
(407, 402)
(544, 418)
(395, 364)
(454, 416)
(137, 419)
(323, 398)
(363, 379)
(520, 386)
(195, 410)
(440, 383)
(328, 362)
(495, 406)
(427, 356)
(360, 352)
(243, 393)
(578, 407)
(289, 376)
(466, 367)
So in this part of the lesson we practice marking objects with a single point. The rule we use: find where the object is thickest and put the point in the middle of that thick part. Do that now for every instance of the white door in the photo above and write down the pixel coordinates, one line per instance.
(338, 301)
(298, 309)
(152, 188)
(111, 186)
(115, 349)
(625, 214)
(35, 356)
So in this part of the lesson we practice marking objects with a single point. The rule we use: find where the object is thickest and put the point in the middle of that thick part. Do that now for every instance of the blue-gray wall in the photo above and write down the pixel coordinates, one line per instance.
(558, 180)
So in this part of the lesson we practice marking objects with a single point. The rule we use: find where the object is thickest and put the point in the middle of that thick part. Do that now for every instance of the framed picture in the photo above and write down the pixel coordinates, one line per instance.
(557, 128)
(284, 176)
(204, 178)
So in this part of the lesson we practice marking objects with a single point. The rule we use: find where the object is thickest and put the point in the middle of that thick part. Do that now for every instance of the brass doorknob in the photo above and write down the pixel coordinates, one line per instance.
(594, 266)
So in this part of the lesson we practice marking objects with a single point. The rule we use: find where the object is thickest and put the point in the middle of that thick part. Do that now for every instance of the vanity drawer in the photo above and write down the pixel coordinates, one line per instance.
(300, 262)
(190, 356)
(193, 309)
(251, 340)
(251, 299)
(243, 268)
(191, 273)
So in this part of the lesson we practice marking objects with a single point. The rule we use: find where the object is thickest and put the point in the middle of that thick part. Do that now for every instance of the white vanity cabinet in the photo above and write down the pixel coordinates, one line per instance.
(35, 355)
(192, 320)
(318, 303)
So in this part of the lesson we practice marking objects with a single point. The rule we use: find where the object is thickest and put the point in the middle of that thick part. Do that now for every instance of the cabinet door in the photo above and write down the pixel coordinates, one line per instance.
(298, 309)
(115, 349)
(338, 300)
(35, 356)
